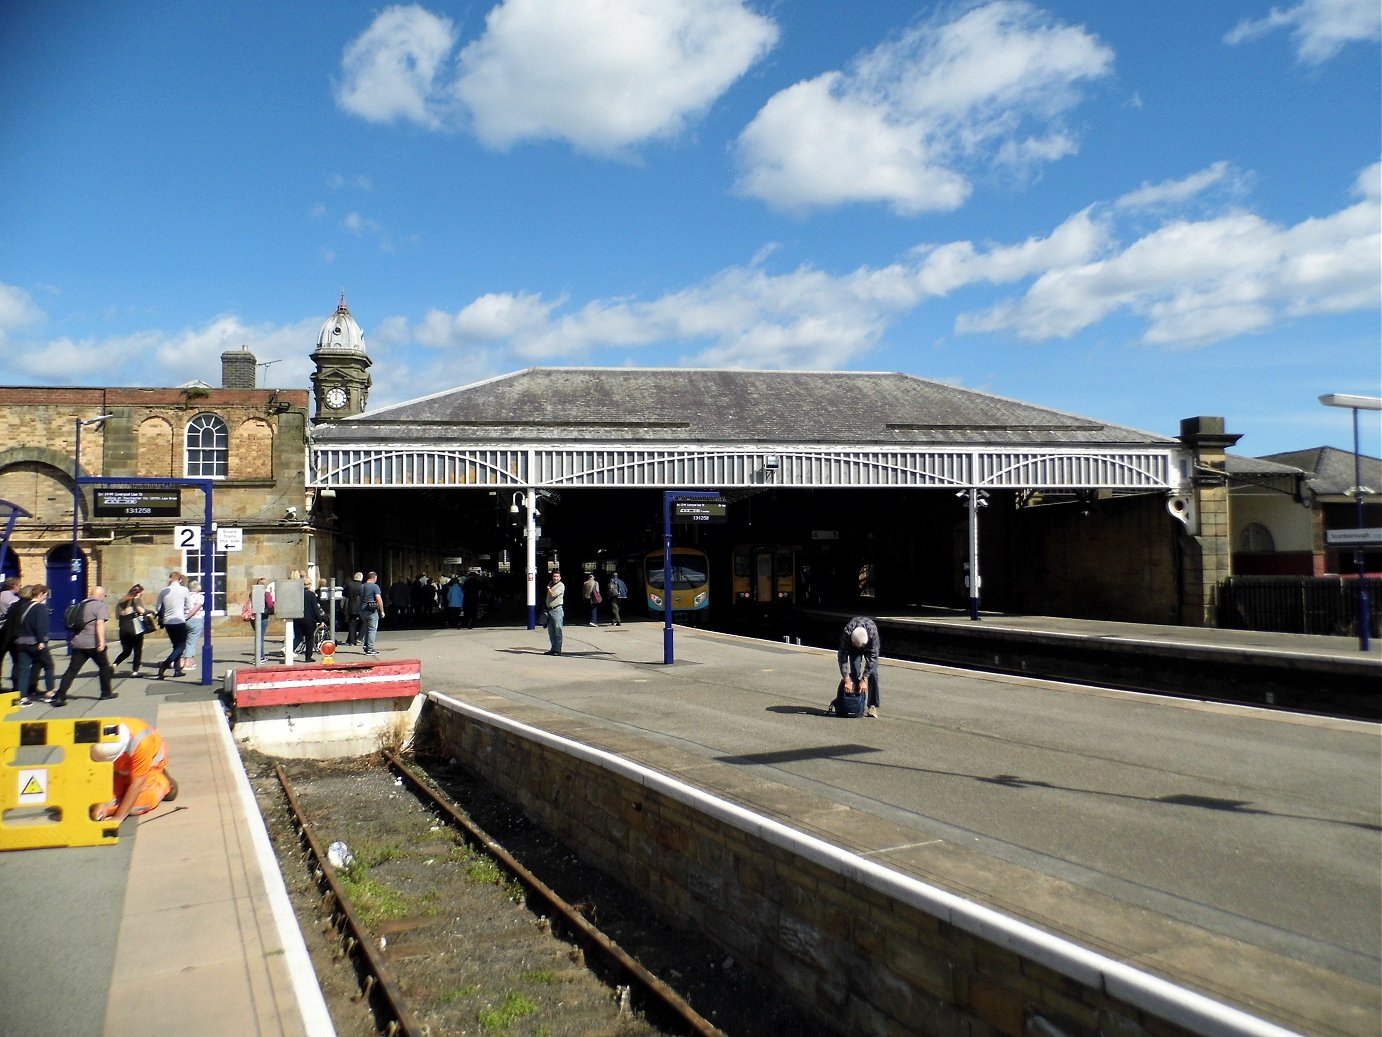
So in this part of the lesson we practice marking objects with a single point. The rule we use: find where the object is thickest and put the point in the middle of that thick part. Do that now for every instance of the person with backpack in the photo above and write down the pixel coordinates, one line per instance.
(86, 620)
(618, 590)
(590, 591)
(12, 596)
(31, 644)
(858, 659)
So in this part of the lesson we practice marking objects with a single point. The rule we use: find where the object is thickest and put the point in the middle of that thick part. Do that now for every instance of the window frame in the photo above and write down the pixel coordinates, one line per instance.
(196, 459)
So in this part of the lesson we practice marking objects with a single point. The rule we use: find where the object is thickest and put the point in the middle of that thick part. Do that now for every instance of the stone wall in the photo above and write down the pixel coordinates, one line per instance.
(145, 436)
(1110, 558)
(868, 950)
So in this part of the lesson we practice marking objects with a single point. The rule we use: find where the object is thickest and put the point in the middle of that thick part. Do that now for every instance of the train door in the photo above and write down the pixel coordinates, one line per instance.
(764, 577)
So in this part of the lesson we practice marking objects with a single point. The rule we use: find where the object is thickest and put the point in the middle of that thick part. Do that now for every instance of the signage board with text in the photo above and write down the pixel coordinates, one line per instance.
(699, 511)
(160, 503)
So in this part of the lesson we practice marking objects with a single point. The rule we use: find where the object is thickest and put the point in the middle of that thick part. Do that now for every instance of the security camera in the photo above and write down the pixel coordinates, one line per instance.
(292, 513)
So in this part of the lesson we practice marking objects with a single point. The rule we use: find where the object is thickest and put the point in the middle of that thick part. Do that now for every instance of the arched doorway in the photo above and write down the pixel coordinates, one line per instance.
(67, 583)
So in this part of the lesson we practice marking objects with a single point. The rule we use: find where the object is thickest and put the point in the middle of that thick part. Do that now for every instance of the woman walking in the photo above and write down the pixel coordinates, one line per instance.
(130, 614)
(32, 643)
(196, 621)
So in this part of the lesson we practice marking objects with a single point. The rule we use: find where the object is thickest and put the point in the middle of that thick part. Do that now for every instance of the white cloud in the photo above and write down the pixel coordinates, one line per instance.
(392, 71)
(910, 120)
(490, 318)
(17, 311)
(1199, 282)
(745, 316)
(163, 358)
(1178, 192)
(603, 75)
(1321, 28)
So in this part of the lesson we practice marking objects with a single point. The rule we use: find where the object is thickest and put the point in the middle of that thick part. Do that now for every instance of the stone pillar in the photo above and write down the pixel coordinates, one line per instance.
(238, 369)
(1208, 563)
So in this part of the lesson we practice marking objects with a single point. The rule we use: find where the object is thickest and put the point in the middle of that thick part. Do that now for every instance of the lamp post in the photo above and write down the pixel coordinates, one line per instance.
(79, 424)
(530, 532)
(1355, 404)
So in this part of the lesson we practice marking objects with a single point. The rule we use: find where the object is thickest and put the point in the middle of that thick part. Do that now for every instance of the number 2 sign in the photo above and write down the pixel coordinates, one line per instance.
(187, 538)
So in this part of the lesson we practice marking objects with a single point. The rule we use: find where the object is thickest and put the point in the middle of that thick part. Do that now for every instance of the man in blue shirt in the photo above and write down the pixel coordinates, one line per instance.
(371, 610)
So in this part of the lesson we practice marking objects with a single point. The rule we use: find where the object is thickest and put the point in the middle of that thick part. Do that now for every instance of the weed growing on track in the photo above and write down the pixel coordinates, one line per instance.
(512, 1007)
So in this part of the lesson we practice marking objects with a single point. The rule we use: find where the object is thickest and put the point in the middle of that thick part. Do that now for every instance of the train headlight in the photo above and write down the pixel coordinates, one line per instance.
(655, 600)
(699, 601)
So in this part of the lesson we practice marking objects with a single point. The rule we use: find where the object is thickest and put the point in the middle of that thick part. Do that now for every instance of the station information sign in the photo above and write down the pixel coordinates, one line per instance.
(1343, 537)
(159, 503)
(699, 511)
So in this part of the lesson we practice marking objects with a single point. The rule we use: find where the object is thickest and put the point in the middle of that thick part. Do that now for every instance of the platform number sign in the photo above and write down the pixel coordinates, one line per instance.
(187, 538)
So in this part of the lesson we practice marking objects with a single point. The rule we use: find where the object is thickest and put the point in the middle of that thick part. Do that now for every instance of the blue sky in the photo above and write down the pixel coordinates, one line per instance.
(1135, 212)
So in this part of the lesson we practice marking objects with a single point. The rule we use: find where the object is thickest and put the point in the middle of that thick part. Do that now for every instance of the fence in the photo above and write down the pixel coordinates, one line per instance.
(1296, 604)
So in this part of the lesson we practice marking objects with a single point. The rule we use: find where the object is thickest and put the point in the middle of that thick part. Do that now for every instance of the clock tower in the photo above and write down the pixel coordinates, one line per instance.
(341, 381)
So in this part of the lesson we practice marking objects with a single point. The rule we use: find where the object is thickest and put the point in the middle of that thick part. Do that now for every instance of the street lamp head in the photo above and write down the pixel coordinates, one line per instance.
(1339, 399)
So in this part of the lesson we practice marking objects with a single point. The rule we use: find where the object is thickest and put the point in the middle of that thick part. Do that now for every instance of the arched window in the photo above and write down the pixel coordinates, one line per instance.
(208, 447)
(1257, 538)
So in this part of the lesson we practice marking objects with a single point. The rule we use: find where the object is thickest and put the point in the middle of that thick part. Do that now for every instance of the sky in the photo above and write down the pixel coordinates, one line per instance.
(1136, 212)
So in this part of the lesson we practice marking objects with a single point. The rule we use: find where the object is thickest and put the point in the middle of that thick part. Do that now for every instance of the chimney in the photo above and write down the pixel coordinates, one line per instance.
(238, 369)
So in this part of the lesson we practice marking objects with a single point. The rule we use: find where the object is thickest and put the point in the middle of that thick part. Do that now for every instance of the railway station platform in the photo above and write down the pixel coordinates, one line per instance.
(1228, 849)
(182, 926)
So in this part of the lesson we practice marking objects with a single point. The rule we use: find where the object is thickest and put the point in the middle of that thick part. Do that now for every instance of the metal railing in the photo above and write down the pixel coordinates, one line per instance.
(1294, 604)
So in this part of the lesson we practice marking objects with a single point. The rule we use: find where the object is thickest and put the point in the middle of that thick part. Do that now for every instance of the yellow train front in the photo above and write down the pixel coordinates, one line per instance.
(690, 585)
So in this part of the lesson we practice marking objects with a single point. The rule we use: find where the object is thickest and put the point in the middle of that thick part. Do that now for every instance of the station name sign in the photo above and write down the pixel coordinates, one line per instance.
(1338, 537)
(137, 503)
(699, 511)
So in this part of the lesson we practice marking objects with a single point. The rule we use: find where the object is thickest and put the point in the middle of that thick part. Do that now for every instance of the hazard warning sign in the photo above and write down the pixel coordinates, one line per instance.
(33, 786)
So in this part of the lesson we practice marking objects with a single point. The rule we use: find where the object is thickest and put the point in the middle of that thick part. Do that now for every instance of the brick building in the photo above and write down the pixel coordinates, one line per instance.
(249, 443)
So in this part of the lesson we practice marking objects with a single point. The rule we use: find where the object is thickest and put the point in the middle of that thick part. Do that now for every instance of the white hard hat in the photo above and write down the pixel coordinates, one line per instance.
(860, 637)
(108, 752)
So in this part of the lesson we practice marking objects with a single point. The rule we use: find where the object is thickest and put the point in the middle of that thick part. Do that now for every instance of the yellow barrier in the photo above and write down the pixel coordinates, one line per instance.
(46, 801)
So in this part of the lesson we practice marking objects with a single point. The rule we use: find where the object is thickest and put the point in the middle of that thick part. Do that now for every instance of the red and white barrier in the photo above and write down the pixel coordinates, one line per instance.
(324, 711)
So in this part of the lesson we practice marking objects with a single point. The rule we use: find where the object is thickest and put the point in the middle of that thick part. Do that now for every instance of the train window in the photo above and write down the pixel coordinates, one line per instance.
(741, 561)
(784, 563)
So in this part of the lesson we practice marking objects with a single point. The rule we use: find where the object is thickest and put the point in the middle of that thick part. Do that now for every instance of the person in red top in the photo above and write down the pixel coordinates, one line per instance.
(140, 756)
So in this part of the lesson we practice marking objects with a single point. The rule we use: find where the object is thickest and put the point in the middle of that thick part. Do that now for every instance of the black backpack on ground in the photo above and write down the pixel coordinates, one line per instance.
(847, 705)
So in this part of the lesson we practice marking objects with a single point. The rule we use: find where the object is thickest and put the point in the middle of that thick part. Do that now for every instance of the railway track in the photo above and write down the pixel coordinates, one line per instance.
(430, 926)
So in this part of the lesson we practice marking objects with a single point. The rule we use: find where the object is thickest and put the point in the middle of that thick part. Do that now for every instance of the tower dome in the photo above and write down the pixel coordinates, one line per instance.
(340, 379)
(340, 333)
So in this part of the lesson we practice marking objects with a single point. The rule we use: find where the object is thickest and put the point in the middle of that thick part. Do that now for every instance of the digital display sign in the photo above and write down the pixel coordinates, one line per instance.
(698, 511)
(160, 503)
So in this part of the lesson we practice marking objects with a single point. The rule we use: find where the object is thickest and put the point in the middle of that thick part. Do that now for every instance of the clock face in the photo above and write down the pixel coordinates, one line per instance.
(336, 397)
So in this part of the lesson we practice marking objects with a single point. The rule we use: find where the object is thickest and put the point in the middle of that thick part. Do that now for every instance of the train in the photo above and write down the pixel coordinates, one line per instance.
(690, 590)
(763, 577)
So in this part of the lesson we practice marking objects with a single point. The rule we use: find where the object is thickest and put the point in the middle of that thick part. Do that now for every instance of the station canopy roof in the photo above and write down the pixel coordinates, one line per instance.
(681, 427)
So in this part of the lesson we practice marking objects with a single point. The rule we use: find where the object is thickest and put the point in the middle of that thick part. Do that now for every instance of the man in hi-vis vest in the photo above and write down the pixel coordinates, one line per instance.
(140, 756)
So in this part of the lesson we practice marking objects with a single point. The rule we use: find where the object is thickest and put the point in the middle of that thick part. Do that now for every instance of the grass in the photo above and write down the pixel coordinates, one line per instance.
(461, 994)
(374, 901)
(511, 1008)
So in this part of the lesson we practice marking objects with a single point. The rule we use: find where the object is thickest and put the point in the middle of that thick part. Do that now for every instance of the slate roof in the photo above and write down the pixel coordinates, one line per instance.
(687, 405)
(1330, 471)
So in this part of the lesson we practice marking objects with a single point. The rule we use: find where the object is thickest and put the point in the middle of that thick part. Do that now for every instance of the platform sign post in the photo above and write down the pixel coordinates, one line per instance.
(668, 496)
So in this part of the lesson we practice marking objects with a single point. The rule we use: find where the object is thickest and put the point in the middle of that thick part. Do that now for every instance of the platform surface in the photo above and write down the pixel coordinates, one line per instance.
(1234, 849)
